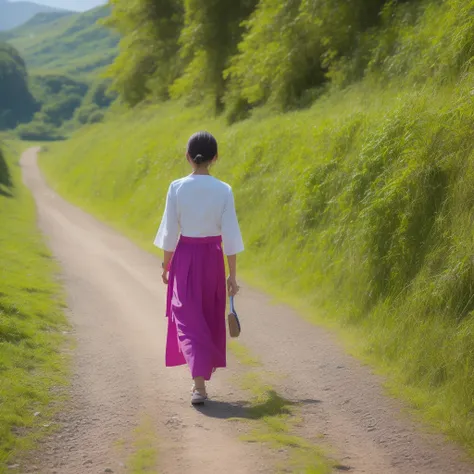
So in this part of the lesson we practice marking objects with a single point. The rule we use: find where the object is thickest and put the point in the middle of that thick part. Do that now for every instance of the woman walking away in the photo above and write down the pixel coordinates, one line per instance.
(199, 217)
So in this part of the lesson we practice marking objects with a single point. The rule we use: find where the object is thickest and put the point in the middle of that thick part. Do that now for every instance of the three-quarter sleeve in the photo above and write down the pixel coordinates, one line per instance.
(168, 233)
(231, 235)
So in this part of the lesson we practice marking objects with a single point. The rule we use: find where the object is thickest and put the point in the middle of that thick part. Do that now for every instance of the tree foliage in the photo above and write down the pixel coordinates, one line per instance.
(290, 46)
(5, 178)
(149, 47)
(99, 97)
(211, 33)
(59, 96)
(38, 130)
(245, 53)
(16, 101)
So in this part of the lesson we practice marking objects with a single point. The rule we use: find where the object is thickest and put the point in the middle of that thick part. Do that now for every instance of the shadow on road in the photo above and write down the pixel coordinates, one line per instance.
(272, 405)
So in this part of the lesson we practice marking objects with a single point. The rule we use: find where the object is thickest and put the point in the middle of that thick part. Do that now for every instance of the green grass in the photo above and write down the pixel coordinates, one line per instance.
(276, 420)
(243, 355)
(31, 321)
(145, 453)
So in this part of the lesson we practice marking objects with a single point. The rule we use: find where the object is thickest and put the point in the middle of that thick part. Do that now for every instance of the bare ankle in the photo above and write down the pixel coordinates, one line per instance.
(200, 385)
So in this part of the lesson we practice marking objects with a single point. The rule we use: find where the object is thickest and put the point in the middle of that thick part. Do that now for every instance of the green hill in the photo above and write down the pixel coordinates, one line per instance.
(66, 43)
(65, 54)
(17, 13)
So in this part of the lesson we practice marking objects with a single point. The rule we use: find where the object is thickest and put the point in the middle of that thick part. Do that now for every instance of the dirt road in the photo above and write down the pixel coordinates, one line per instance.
(116, 306)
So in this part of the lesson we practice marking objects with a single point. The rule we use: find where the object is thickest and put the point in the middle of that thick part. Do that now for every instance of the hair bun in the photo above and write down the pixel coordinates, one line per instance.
(202, 148)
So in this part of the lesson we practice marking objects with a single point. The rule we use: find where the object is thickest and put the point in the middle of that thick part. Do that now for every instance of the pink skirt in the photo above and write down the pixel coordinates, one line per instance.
(196, 305)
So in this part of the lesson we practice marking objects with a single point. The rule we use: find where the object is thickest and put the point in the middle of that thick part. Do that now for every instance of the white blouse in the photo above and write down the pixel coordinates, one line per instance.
(200, 206)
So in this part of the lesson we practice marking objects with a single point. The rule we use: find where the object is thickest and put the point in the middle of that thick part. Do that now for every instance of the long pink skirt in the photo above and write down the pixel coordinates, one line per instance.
(196, 306)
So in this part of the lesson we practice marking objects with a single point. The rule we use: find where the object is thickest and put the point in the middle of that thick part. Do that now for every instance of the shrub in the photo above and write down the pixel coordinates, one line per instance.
(38, 130)
(96, 117)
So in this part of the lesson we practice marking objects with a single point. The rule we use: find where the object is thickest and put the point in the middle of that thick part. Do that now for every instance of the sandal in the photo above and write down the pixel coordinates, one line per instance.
(198, 398)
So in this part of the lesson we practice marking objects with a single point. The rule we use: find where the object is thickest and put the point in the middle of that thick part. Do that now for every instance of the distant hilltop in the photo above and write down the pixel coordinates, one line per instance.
(14, 14)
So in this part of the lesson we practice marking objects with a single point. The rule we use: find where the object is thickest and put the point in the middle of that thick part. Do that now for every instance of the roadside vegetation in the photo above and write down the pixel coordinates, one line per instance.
(32, 322)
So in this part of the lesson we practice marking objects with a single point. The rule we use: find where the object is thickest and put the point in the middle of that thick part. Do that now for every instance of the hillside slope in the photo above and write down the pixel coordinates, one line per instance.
(13, 14)
(65, 54)
(70, 44)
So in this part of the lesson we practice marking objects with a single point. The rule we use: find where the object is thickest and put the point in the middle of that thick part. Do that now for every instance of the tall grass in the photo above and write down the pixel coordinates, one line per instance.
(31, 320)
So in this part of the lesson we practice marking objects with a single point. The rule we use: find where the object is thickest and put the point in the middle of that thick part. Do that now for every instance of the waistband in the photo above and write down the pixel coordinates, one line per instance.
(201, 240)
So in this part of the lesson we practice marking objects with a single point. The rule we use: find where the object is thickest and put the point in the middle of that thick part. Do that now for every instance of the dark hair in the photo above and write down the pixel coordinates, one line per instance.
(202, 147)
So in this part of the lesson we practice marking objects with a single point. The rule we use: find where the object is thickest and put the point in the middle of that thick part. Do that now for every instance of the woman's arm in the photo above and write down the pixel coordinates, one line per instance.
(233, 243)
(168, 232)
(232, 286)
(166, 266)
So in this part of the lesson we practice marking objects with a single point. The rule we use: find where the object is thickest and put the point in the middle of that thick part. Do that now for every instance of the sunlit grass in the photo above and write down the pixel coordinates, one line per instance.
(145, 452)
(31, 323)
(242, 354)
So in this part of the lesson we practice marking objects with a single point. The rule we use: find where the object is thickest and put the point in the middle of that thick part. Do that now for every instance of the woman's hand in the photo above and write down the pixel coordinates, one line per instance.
(166, 266)
(232, 286)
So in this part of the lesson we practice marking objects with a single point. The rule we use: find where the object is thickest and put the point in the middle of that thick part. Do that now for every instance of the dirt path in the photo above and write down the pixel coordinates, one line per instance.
(116, 306)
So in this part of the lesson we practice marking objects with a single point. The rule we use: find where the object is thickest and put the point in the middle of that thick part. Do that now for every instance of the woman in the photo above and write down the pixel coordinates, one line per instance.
(199, 217)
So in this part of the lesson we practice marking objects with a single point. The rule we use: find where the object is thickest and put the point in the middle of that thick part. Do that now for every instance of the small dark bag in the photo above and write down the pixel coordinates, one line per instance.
(233, 320)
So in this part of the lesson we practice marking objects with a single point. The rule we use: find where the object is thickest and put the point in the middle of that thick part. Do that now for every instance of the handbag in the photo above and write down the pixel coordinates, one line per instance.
(233, 320)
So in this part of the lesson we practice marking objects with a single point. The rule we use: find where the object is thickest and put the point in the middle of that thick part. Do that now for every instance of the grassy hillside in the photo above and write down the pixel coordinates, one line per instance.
(31, 318)
(17, 13)
(73, 44)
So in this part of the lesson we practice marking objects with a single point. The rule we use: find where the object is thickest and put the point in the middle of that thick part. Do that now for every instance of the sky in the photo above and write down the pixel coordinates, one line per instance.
(78, 5)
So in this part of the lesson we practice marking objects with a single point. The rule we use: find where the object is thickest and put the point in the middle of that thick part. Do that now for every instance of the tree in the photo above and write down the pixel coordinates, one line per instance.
(16, 101)
(5, 178)
(238, 51)
(211, 33)
(148, 60)
(289, 46)
(59, 97)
